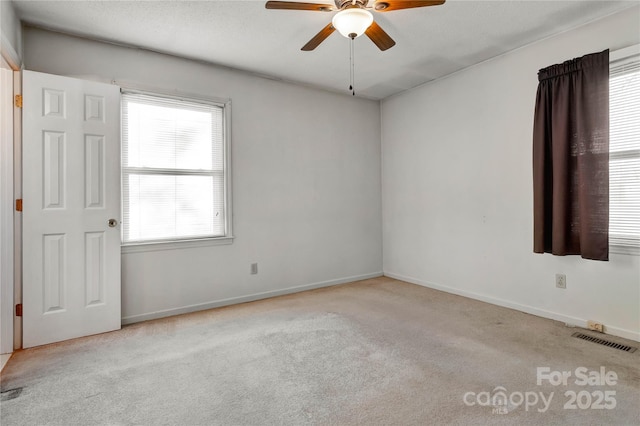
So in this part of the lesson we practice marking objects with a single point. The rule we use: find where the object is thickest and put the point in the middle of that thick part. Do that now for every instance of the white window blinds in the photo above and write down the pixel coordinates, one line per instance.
(173, 169)
(624, 159)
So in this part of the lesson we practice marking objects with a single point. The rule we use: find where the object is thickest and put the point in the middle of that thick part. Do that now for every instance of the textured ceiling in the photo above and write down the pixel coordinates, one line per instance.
(431, 42)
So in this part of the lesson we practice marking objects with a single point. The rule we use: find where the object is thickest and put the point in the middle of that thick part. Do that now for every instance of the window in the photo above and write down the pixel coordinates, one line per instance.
(175, 175)
(624, 158)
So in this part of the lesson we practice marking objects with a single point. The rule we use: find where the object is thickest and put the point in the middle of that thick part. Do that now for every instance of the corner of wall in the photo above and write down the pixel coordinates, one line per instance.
(11, 35)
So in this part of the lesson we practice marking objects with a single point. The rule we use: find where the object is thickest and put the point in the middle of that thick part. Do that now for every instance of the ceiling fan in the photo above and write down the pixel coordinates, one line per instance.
(354, 18)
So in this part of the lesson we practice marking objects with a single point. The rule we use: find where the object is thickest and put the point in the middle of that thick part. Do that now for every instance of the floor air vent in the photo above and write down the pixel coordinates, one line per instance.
(604, 342)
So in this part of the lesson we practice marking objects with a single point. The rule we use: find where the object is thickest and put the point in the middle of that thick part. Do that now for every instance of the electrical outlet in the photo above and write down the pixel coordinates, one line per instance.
(561, 281)
(254, 268)
(595, 326)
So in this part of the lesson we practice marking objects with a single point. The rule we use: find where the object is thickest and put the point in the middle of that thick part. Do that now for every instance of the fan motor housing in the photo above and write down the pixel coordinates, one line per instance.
(343, 4)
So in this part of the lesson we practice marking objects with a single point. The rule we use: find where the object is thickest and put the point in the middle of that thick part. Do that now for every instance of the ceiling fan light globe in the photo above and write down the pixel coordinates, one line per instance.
(352, 21)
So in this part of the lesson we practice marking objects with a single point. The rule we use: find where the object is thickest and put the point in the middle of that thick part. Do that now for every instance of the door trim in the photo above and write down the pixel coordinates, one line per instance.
(17, 216)
(6, 209)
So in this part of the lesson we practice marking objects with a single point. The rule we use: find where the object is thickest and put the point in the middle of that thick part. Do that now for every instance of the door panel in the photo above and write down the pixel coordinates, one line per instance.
(71, 188)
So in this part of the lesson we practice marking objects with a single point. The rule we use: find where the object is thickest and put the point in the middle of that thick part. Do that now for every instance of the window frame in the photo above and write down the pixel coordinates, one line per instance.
(615, 57)
(180, 243)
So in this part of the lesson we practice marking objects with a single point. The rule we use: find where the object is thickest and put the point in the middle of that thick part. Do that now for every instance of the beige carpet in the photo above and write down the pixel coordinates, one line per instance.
(374, 352)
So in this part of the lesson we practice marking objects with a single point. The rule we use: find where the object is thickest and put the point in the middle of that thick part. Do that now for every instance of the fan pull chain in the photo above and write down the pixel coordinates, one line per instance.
(352, 70)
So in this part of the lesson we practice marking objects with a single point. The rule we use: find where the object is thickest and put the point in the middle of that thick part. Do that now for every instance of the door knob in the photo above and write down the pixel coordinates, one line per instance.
(112, 223)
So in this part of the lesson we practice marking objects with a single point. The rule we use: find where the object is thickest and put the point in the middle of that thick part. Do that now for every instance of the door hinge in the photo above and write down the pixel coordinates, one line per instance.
(19, 205)
(19, 101)
(19, 310)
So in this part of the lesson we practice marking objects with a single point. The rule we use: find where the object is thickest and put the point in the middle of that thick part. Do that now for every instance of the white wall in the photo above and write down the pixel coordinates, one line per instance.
(306, 181)
(457, 189)
(457, 196)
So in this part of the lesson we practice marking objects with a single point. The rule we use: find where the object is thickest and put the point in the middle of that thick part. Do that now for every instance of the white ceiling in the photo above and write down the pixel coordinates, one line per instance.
(431, 41)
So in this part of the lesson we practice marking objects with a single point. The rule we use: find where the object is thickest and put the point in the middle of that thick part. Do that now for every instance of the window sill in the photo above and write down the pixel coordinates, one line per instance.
(629, 250)
(175, 245)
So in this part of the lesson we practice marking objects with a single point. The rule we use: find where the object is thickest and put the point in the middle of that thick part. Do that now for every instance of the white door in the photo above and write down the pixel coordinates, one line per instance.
(71, 208)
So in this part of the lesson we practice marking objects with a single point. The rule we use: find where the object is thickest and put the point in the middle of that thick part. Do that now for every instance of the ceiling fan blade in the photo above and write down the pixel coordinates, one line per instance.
(379, 37)
(319, 38)
(389, 5)
(293, 5)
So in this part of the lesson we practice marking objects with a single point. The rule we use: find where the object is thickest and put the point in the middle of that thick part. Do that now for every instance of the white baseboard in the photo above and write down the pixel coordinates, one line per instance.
(242, 299)
(4, 358)
(569, 320)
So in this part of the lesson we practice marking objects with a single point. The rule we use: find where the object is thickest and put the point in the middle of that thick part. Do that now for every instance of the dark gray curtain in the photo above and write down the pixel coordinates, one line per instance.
(571, 158)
